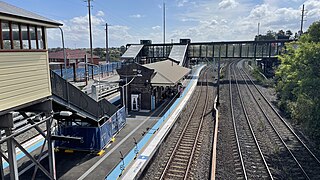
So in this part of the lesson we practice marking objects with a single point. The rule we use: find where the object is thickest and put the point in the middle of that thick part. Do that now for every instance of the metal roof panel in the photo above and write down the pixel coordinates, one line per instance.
(132, 51)
(178, 52)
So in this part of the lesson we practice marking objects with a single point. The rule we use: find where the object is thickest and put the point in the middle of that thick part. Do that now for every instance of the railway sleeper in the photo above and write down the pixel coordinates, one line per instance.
(176, 159)
(186, 153)
(184, 150)
(175, 166)
(175, 175)
(180, 156)
(176, 171)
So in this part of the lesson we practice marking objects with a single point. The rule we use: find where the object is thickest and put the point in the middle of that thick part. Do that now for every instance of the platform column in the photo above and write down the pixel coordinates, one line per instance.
(6, 122)
(12, 155)
(1, 162)
(52, 164)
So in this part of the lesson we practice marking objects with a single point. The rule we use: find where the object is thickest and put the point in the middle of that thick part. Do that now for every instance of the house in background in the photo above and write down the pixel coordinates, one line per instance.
(73, 57)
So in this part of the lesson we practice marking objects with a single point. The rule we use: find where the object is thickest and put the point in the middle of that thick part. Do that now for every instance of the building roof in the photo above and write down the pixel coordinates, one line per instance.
(167, 72)
(19, 13)
(71, 54)
(132, 51)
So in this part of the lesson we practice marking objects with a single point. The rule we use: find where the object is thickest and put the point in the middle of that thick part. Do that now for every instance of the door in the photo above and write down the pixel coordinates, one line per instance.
(135, 102)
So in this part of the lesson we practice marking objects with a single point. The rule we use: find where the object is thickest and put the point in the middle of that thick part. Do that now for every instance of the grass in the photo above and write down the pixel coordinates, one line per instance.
(262, 80)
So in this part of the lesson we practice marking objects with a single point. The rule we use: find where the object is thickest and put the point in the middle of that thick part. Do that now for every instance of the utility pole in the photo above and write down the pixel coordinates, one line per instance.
(107, 45)
(164, 22)
(90, 30)
(302, 16)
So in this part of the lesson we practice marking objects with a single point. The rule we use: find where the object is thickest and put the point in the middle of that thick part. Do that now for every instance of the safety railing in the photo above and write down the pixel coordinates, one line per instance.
(71, 95)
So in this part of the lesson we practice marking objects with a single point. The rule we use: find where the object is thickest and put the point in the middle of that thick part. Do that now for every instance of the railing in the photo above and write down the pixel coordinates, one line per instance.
(75, 97)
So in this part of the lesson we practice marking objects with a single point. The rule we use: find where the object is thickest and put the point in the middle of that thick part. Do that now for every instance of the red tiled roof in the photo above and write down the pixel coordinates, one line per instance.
(71, 54)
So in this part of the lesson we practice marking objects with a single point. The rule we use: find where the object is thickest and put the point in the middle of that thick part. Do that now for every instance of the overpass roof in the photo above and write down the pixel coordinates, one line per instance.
(132, 51)
(178, 53)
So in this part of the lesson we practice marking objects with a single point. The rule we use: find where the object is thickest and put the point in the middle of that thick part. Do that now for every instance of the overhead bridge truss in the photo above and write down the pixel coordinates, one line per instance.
(209, 50)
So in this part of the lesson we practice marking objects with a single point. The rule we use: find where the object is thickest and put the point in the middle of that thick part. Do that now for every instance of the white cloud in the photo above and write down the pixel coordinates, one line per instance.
(100, 13)
(313, 8)
(205, 21)
(181, 3)
(136, 16)
(241, 22)
(156, 27)
(228, 4)
(76, 33)
(187, 19)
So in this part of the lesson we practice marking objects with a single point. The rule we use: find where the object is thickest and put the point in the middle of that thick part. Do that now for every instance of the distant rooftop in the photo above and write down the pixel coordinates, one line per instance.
(10, 10)
(71, 54)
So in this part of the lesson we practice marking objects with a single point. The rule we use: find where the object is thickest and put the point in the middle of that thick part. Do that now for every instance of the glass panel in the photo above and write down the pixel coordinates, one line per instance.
(25, 42)
(6, 35)
(33, 37)
(16, 36)
(40, 39)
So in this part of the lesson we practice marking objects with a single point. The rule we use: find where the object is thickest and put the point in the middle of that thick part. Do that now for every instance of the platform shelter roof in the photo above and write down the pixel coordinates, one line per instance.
(167, 72)
(16, 14)
(132, 51)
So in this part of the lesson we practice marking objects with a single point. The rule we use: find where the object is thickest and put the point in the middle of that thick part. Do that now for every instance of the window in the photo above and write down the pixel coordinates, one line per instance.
(32, 31)
(15, 36)
(6, 35)
(18, 36)
(25, 39)
(40, 38)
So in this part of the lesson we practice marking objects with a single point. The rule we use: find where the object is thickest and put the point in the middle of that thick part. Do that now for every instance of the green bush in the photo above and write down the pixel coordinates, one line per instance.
(298, 81)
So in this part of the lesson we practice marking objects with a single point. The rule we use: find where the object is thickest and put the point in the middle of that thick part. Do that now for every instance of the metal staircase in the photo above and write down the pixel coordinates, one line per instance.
(68, 97)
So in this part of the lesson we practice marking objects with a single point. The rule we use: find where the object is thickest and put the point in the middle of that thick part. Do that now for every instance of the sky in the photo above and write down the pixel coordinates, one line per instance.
(200, 20)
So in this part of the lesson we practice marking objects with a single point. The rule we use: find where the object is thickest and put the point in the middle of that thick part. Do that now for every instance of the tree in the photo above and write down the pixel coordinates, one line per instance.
(122, 49)
(101, 52)
(313, 33)
(289, 33)
(280, 33)
(270, 35)
(298, 81)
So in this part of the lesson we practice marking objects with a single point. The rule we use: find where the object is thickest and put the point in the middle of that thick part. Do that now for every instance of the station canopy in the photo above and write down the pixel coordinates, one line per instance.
(132, 51)
(168, 73)
(178, 52)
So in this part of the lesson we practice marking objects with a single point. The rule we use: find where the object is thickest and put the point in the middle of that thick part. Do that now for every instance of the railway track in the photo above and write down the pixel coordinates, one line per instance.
(179, 158)
(307, 164)
(250, 162)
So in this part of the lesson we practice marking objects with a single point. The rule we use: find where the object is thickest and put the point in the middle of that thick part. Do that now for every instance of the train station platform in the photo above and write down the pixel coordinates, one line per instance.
(137, 159)
(139, 130)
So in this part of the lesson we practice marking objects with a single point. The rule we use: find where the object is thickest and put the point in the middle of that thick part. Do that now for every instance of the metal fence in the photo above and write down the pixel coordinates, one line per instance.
(80, 71)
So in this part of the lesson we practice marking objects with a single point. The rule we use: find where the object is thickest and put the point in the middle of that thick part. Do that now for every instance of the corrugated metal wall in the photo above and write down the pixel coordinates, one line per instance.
(24, 77)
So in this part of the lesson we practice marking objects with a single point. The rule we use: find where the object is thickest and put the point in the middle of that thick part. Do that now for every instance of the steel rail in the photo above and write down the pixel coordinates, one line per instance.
(234, 125)
(272, 125)
(280, 117)
(180, 138)
(251, 129)
(199, 129)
